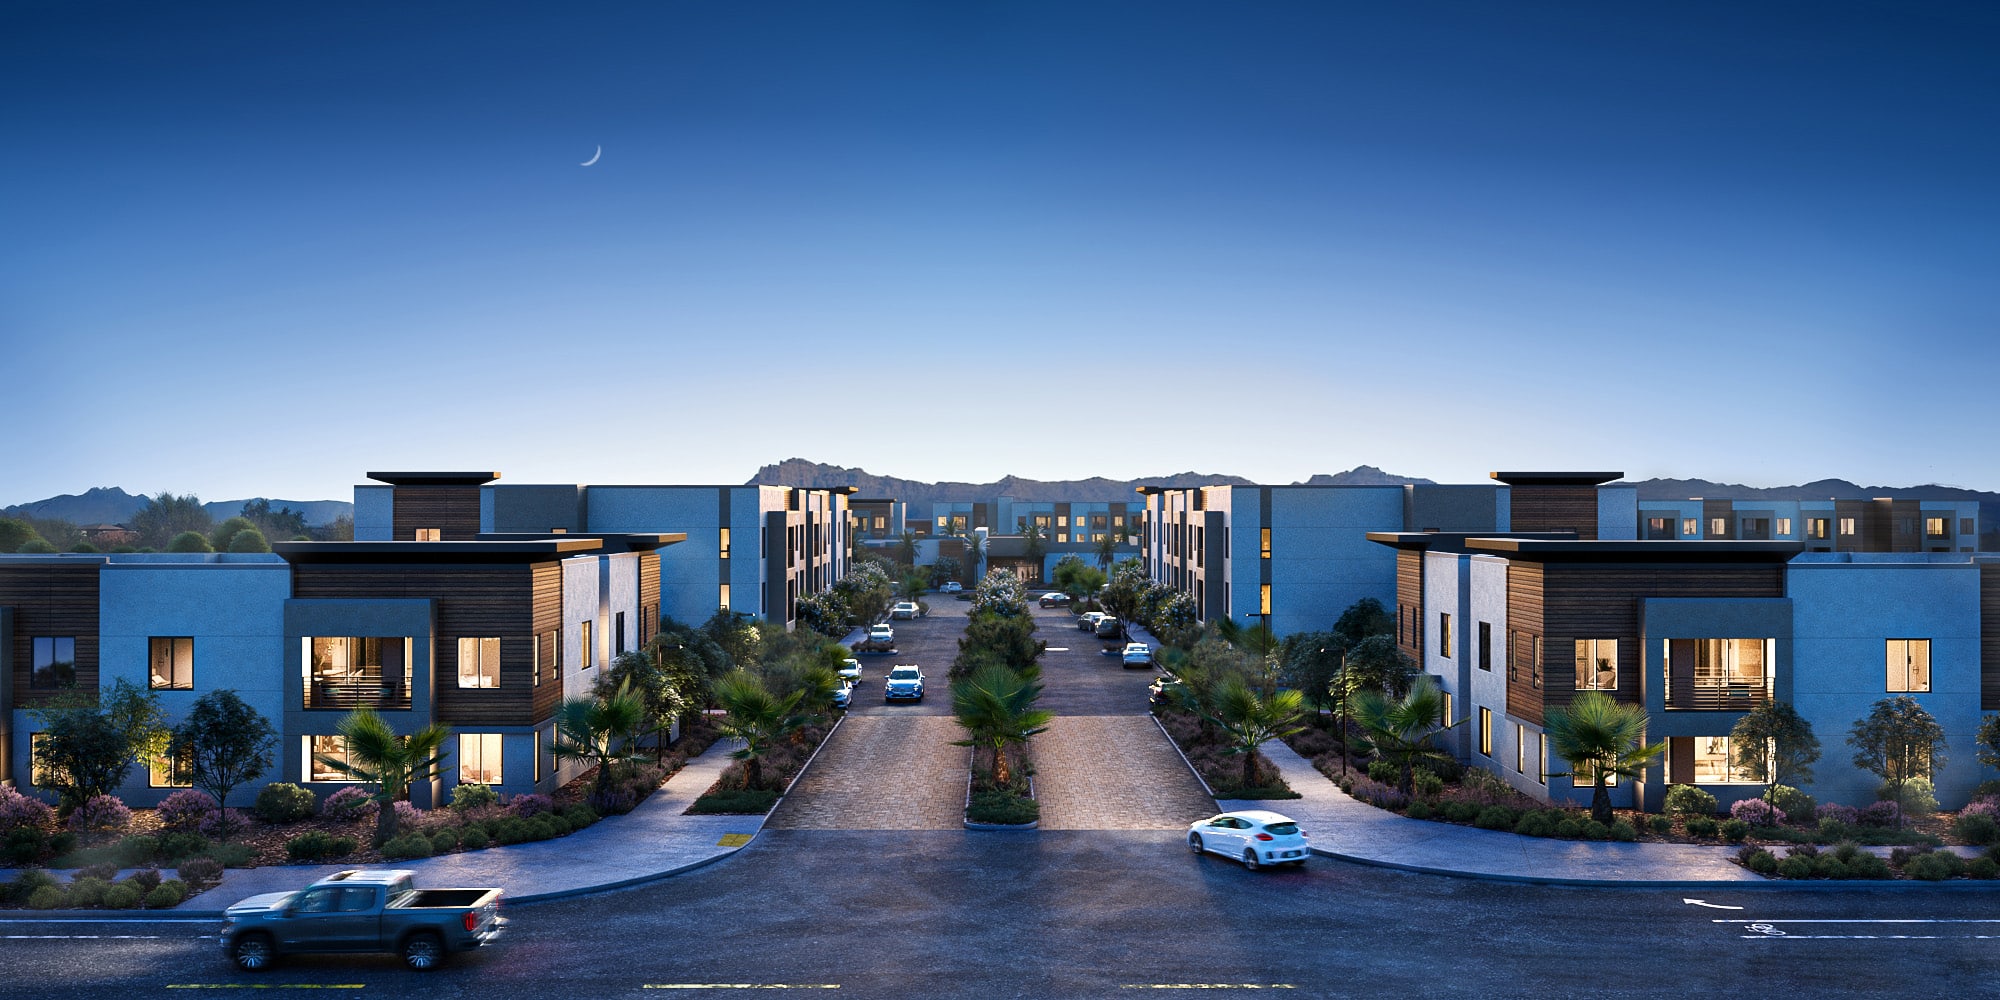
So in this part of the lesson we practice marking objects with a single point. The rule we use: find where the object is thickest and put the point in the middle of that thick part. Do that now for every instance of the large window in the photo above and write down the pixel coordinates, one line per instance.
(40, 774)
(722, 597)
(326, 746)
(1597, 664)
(1520, 749)
(170, 662)
(1691, 527)
(54, 662)
(1264, 543)
(478, 662)
(347, 672)
(1784, 527)
(1909, 665)
(1713, 766)
(1847, 527)
(1264, 601)
(1818, 528)
(722, 544)
(1729, 663)
(1935, 527)
(167, 771)
(479, 758)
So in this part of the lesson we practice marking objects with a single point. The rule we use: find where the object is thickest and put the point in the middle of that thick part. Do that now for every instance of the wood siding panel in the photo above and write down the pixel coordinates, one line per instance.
(1553, 508)
(1713, 509)
(1524, 623)
(453, 510)
(52, 600)
(1989, 637)
(1410, 603)
(473, 601)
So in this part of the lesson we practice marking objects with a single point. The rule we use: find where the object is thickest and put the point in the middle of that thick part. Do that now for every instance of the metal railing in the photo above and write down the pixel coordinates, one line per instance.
(1685, 695)
(360, 691)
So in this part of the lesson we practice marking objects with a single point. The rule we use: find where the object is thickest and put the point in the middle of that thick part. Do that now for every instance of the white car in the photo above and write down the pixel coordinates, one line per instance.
(881, 633)
(951, 587)
(850, 670)
(1255, 837)
(843, 696)
(1087, 622)
(1138, 654)
(903, 610)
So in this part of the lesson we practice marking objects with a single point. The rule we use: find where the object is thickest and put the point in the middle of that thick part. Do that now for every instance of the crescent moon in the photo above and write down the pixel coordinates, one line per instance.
(593, 157)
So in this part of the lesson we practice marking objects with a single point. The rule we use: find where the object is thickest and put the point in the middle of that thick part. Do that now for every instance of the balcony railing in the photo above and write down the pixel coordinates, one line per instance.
(352, 691)
(1685, 695)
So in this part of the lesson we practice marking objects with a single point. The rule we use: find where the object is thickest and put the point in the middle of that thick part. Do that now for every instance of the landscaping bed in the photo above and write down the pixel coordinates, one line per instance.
(991, 803)
(731, 793)
(1207, 749)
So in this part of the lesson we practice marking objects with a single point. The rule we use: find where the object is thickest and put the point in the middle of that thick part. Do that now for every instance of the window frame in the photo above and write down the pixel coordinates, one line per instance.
(483, 678)
(487, 744)
(175, 665)
(42, 673)
(1595, 661)
(1908, 645)
(1485, 732)
(1486, 646)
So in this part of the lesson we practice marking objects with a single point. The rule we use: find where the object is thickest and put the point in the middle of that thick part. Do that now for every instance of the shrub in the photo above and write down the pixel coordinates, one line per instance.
(1758, 860)
(1497, 818)
(1976, 828)
(1934, 866)
(580, 816)
(147, 879)
(1790, 801)
(26, 883)
(737, 800)
(1427, 785)
(513, 830)
(184, 811)
(103, 871)
(1002, 807)
(1593, 830)
(199, 871)
(1987, 789)
(1568, 828)
(407, 814)
(230, 855)
(1795, 866)
(1847, 815)
(18, 811)
(1734, 830)
(136, 850)
(1660, 824)
(1624, 831)
(406, 846)
(316, 844)
(525, 806)
(1384, 772)
(472, 794)
(169, 894)
(100, 814)
(48, 897)
(472, 838)
(1982, 807)
(349, 804)
(1420, 810)
(445, 841)
(1880, 814)
(121, 897)
(1690, 800)
(1535, 823)
(1459, 811)
(1919, 797)
(224, 824)
(1702, 826)
(1983, 868)
(85, 892)
(616, 800)
(175, 846)
(24, 845)
(1756, 812)
(284, 802)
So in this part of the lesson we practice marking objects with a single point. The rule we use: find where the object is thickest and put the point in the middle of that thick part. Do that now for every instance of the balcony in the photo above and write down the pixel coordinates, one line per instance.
(1683, 694)
(346, 692)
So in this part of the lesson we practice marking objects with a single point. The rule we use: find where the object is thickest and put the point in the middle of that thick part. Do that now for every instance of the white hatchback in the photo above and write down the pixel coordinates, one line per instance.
(1255, 837)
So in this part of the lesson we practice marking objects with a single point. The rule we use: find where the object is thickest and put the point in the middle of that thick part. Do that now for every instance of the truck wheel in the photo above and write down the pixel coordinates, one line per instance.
(422, 951)
(253, 952)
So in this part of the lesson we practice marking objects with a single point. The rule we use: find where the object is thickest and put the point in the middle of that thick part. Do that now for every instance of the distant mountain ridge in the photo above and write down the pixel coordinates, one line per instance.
(801, 472)
(112, 505)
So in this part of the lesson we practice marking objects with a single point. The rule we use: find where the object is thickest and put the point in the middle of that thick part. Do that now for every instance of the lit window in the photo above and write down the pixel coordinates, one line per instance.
(723, 544)
(1118, 520)
(479, 663)
(1717, 527)
(170, 772)
(1062, 537)
(1817, 527)
(536, 755)
(1097, 520)
(479, 758)
(1541, 758)
(1264, 599)
(589, 646)
(881, 524)
(1909, 665)
(1520, 749)
(54, 662)
(1784, 526)
(941, 523)
(1712, 764)
(430, 535)
(320, 749)
(1264, 543)
(1659, 528)
(1445, 709)
(1846, 526)
(1535, 665)
(40, 774)
(1597, 664)
(170, 661)
(1444, 634)
(1485, 731)
(1062, 520)
(1690, 527)
(1934, 527)
(722, 600)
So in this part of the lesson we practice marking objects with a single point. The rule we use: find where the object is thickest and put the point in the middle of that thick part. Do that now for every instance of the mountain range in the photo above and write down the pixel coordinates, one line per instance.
(112, 505)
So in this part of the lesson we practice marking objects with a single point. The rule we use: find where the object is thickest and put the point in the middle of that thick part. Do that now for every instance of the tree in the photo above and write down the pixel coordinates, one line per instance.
(392, 763)
(906, 547)
(975, 552)
(136, 712)
(90, 749)
(166, 516)
(1078, 579)
(757, 717)
(1401, 729)
(223, 743)
(946, 568)
(1896, 742)
(1125, 592)
(599, 732)
(249, 540)
(999, 592)
(1309, 662)
(996, 708)
(649, 674)
(340, 529)
(189, 541)
(1365, 617)
(1107, 550)
(1988, 741)
(1601, 738)
(1034, 545)
(15, 533)
(282, 523)
(1776, 742)
(823, 613)
(220, 538)
(1251, 720)
(1378, 663)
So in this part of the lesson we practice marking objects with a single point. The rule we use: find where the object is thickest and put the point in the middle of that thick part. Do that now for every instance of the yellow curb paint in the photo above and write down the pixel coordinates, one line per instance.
(733, 840)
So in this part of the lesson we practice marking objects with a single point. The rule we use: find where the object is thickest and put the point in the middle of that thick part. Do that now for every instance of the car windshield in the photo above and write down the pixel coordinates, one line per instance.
(1282, 829)
(903, 674)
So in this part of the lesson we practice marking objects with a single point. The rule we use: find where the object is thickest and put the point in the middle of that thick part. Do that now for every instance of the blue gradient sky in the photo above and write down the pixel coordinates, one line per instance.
(261, 248)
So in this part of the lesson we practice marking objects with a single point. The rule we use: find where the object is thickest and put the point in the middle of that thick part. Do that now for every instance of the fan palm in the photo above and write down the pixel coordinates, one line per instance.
(996, 707)
(392, 763)
(1601, 738)
(754, 715)
(1251, 720)
(1401, 730)
(598, 731)
(1107, 550)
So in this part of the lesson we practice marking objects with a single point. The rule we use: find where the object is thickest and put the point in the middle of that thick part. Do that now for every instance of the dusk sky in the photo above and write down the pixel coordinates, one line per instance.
(260, 249)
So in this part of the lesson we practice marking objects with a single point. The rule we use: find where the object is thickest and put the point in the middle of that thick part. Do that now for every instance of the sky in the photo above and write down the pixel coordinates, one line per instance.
(261, 249)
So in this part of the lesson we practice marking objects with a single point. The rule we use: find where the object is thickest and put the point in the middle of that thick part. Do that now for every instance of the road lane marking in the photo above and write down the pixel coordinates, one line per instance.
(734, 839)
(81, 937)
(1712, 906)
(1208, 986)
(740, 986)
(1767, 930)
(267, 986)
(1056, 649)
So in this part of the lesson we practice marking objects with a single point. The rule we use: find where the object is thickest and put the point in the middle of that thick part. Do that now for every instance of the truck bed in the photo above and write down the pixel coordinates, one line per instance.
(418, 899)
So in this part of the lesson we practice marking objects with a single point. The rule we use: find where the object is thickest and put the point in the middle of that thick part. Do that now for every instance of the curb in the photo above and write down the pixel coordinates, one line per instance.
(994, 827)
(1762, 884)
(1177, 751)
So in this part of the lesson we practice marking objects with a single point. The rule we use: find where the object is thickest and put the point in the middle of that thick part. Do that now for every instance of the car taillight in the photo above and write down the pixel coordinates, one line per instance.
(472, 920)
(1265, 836)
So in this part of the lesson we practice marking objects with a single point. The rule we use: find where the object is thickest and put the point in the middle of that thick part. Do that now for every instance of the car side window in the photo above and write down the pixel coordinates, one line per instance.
(316, 901)
(355, 898)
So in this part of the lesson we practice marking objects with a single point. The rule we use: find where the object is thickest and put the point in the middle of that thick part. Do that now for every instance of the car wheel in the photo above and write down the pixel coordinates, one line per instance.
(1250, 860)
(422, 951)
(1194, 842)
(253, 952)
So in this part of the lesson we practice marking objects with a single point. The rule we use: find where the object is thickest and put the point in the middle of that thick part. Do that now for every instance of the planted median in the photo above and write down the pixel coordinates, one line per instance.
(996, 681)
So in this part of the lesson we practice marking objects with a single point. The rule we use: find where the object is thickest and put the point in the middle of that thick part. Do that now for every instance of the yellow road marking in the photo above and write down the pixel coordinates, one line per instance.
(1208, 986)
(733, 840)
(267, 986)
(740, 986)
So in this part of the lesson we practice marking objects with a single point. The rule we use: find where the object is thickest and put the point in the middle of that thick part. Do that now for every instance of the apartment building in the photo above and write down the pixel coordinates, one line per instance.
(753, 549)
(1875, 525)
(1066, 527)
(1696, 633)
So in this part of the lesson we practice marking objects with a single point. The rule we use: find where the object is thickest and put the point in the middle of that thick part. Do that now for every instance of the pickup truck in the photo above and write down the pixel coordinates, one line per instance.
(362, 911)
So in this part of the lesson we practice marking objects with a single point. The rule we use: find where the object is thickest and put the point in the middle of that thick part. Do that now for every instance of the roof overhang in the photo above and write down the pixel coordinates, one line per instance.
(537, 550)
(434, 478)
(1556, 478)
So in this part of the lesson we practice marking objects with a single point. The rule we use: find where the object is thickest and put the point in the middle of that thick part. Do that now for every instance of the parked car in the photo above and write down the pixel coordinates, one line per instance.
(843, 696)
(1138, 654)
(1055, 599)
(1256, 837)
(1087, 622)
(905, 682)
(951, 587)
(1109, 627)
(850, 670)
(361, 911)
(903, 610)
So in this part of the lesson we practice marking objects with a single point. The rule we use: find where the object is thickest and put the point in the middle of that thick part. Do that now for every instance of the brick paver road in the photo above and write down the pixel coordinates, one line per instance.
(882, 773)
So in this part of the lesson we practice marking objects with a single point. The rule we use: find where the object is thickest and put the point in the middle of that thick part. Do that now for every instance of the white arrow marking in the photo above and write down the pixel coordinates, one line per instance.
(1712, 906)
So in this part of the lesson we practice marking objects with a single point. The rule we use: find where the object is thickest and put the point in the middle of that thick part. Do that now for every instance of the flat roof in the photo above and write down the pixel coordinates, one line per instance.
(434, 478)
(527, 550)
(1455, 540)
(614, 541)
(1556, 478)
(1664, 550)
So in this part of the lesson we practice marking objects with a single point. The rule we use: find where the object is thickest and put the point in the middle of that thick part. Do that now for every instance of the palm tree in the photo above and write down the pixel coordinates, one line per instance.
(1401, 729)
(598, 731)
(1034, 546)
(757, 717)
(996, 707)
(975, 553)
(906, 546)
(1600, 738)
(1107, 550)
(1250, 720)
(375, 754)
